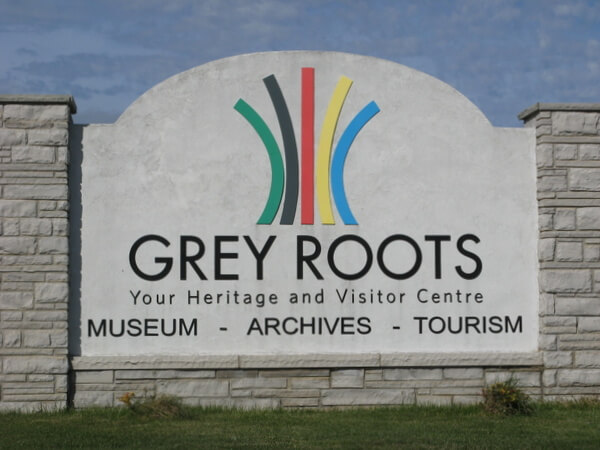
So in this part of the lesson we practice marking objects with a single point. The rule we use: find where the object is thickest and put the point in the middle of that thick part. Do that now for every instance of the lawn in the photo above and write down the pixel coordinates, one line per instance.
(550, 426)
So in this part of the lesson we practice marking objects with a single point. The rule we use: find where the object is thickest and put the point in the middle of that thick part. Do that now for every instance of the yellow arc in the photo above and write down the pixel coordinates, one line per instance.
(324, 150)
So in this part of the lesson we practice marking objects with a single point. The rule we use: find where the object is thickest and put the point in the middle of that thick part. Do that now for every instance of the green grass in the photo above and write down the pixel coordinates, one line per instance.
(550, 426)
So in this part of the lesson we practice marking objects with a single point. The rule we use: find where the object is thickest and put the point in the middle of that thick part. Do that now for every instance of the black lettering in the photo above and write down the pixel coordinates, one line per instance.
(301, 258)
(185, 259)
(168, 262)
(331, 257)
(438, 239)
(260, 256)
(516, 327)
(220, 255)
(478, 264)
(192, 330)
(100, 330)
(134, 327)
(416, 265)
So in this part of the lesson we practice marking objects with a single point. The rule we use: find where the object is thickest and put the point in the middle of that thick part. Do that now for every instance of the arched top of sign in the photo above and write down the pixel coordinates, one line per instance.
(414, 90)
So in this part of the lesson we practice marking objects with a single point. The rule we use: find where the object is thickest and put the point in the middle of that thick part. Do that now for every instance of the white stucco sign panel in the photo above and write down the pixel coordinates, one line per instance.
(306, 202)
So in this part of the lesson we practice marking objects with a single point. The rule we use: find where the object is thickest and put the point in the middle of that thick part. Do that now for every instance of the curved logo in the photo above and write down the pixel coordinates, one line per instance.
(328, 176)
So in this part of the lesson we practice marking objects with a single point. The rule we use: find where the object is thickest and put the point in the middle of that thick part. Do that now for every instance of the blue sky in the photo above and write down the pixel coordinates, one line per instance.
(503, 55)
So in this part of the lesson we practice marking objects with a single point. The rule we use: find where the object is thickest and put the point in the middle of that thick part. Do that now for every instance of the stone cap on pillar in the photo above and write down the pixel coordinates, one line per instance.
(526, 114)
(33, 99)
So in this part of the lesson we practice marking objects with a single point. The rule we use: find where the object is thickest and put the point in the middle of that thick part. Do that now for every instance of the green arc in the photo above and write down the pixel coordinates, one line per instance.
(277, 170)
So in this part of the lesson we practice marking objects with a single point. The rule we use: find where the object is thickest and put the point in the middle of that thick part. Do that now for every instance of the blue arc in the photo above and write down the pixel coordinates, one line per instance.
(339, 159)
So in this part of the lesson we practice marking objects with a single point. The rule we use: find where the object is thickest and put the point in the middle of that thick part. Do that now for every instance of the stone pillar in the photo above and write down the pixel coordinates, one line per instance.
(568, 171)
(34, 251)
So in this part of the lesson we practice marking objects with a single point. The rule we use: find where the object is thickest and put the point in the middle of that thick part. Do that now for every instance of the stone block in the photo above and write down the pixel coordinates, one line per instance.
(587, 359)
(41, 378)
(61, 383)
(412, 374)
(32, 154)
(549, 378)
(35, 338)
(565, 281)
(565, 151)
(51, 292)
(564, 219)
(16, 300)
(56, 276)
(10, 227)
(241, 393)
(578, 377)
(86, 399)
(193, 388)
(162, 374)
(546, 249)
(542, 130)
(11, 316)
(523, 379)
(466, 399)
(309, 361)
(559, 322)
(53, 245)
(22, 276)
(446, 359)
(32, 406)
(48, 136)
(285, 393)
(546, 304)
(17, 245)
(552, 183)
(367, 397)
(434, 400)
(17, 208)
(588, 325)
(59, 338)
(299, 402)
(589, 152)
(36, 227)
(62, 155)
(587, 179)
(47, 205)
(94, 377)
(544, 155)
(577, 306)
(309, 383)
(374, 375)
(10, 137)
(238, 403)
(36, 192)
(575, 123)
(347, 378)
(591, 253)
(237, 374)
(154, 362)
(61, 259)
(588, 218)
(60, 227)
(294, 373)
(11, 338)
(579, 342)
(29, 114)
(46, 316)
(249, 383)
(557, 359)
(569, 251)
(35, 364)
(546, 222)
(463, 373)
